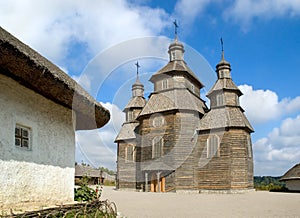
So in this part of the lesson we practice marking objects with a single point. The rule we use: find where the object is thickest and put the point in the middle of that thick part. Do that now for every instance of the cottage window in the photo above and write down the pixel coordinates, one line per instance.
(164, 84)
(220, 100)
(157, 147)
(213, 146)
(130, 153)
(22, 137)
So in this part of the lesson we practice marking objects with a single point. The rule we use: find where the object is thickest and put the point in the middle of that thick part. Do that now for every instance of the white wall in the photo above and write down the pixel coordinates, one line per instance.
(45, 173)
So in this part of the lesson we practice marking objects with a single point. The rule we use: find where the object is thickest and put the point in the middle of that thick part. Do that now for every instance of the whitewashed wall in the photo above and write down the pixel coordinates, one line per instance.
(44, 174)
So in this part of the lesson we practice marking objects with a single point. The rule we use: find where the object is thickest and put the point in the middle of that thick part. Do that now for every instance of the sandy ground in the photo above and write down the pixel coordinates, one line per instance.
(253, 204)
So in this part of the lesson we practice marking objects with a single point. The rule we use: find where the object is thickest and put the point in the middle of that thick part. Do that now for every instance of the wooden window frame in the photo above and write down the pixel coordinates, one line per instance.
(249, 146)
(23, 137)
(164, 84)
(213, 146)
(130, 116)
(220, 99)
(157, 144)
(130, 153)
(193, 88)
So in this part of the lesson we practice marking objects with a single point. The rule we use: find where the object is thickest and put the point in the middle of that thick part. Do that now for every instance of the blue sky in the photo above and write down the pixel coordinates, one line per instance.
(261, 41)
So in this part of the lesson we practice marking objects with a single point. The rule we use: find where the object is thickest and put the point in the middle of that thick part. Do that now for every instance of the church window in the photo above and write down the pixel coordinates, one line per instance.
(158, 121)
(22, 136)
(249, 150)
(129, 115)
(173, 55)
(164, 84)
(130, 153)
(193, 88)
(213, 146)
(237, 100)
(157, 147)
(220, 100)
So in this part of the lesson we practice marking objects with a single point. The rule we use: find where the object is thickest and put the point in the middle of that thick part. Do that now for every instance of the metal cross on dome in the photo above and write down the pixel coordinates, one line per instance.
(176, 27)
(222, 44)
(137, 67)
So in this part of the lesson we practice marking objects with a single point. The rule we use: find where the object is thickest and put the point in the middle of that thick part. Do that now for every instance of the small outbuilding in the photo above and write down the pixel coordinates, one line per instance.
(41, 108)
(93, 176)
(292, 178)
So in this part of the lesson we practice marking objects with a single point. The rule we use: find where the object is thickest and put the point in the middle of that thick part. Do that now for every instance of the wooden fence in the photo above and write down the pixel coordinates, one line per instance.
(97, 209)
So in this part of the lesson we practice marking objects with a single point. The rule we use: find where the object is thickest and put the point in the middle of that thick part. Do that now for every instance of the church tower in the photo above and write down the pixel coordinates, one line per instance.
(168, 123)
(224, 139)
(127, 139)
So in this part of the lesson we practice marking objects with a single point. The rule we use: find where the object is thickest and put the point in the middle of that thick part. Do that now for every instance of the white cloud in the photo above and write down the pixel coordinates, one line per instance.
(97, 147)
(187, 10)
(245, 11)
(264, 105)
(280, 150)
(52, 27)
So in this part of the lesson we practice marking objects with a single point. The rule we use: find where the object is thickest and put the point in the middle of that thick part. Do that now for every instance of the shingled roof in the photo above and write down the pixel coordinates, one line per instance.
(292, 174)
(21, 63)
(136, 102)
(177, 66)
(174, 99)
(225, 117)
(225, 84)
(127, 131)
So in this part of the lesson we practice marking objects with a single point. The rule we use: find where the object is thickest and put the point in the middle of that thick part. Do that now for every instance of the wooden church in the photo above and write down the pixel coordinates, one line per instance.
(173, 142)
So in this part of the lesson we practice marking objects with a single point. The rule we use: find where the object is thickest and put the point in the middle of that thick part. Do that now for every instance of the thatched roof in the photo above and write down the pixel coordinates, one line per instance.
(127, 131)
(81, 170)
(32, 70)
(292, 174)
(174, 99)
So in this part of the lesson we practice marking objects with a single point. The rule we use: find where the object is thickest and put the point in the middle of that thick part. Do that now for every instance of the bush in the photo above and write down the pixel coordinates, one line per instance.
(85, 193)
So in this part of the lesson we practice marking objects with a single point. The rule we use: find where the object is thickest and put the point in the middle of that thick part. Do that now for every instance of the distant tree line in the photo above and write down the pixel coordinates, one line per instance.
(110, 172)
(103, 169)
(269, 183)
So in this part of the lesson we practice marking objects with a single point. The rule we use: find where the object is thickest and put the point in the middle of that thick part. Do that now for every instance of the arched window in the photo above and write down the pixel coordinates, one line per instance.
(157, 147)
(130, 153)
(249, 146)
(213, 146)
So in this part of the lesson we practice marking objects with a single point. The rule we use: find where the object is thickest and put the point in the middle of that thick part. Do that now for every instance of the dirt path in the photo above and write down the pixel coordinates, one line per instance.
(254, 204)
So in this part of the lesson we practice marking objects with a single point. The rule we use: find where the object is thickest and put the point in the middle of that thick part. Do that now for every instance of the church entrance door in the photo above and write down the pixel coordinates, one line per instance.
(157, 186)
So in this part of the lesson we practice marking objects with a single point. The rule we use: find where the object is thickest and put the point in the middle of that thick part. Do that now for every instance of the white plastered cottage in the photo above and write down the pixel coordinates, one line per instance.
(41, 107)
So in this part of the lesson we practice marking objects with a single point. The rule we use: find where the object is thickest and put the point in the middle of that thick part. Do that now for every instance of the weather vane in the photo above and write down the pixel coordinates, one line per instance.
(137, 67)
(176, 27)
